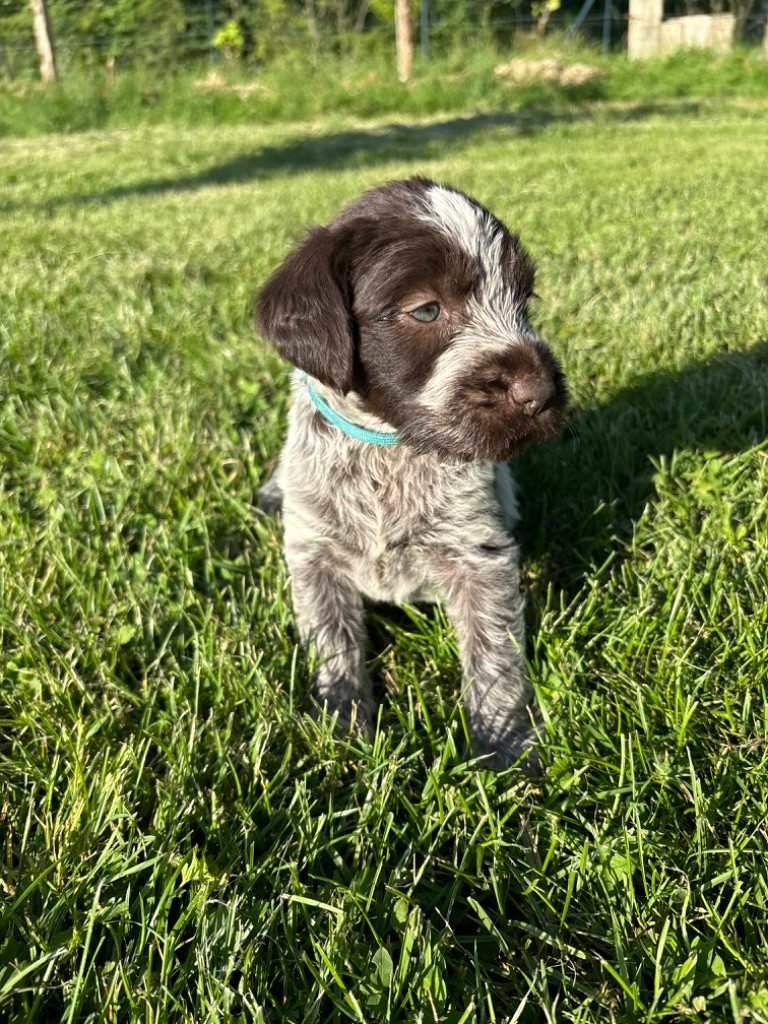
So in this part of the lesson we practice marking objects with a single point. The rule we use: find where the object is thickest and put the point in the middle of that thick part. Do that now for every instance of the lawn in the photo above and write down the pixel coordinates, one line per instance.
(179, 841)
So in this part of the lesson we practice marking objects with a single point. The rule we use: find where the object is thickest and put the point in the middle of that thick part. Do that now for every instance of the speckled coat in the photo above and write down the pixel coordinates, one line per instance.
(410, 311)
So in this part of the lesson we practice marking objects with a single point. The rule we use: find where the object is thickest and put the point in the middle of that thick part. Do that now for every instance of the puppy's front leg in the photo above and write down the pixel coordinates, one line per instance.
(480, 588)
(329, 612)
(270, 496)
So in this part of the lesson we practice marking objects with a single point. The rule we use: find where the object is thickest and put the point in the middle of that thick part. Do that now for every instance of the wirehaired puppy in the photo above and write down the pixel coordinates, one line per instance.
(417, 377)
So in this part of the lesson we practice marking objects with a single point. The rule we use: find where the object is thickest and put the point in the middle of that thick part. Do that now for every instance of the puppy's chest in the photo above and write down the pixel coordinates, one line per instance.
(385, 510)
(378, 512)
(384, 518)
(392, 536)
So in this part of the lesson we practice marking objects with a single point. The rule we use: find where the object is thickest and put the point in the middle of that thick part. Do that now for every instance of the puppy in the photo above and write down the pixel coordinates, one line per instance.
(417, 377)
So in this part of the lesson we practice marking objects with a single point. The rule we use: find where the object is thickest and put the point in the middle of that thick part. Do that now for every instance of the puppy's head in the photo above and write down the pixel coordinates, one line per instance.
(415, 298)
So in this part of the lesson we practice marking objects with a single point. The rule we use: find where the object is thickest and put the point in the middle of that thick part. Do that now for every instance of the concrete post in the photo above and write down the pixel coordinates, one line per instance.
(645, 18)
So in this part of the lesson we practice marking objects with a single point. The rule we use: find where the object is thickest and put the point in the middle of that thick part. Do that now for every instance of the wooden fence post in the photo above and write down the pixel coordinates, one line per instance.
(403, 39)
(41, 24)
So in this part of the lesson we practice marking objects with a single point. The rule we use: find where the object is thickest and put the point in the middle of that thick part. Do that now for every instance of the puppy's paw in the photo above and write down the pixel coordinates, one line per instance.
(515, 748)
(351, 714)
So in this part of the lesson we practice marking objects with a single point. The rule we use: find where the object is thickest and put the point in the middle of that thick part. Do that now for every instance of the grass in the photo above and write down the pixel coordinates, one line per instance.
(179, 842)
(363, 86)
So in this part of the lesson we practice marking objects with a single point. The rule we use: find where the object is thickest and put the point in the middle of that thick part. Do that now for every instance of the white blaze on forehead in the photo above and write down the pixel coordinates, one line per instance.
(474, 230)
(457, 217)
(496, 320)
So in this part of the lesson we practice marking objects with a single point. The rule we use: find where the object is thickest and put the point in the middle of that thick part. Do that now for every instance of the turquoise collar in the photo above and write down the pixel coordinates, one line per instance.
(351, 429)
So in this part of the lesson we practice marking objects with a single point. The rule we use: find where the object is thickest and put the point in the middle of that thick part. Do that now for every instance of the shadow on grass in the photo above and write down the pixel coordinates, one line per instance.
(363, 148)
(583, 493)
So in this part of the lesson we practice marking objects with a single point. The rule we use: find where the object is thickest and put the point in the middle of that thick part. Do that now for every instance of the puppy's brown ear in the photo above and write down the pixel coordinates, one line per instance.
(304, 310)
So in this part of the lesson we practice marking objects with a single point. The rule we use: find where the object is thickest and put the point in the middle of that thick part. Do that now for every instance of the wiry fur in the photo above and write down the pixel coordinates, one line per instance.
(429, 518)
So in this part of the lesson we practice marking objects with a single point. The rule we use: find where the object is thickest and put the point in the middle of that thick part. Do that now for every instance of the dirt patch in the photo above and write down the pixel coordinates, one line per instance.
(214, 81)
(549, 69)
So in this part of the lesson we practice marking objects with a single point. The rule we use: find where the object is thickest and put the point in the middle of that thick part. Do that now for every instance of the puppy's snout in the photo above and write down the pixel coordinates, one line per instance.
(532, 393)
(529, 394)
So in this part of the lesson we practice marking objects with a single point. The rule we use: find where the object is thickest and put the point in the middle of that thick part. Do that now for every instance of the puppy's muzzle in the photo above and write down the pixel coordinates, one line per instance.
(528, 383)
(533, 393)
(529, 395)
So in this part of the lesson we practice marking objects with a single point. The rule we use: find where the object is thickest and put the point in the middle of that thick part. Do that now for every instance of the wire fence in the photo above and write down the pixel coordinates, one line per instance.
(167, 47)
(195, 44)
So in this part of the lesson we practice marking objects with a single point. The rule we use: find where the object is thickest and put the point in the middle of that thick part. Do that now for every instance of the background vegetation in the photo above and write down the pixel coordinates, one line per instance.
(166, 34)
(461, 83)
(178, 842)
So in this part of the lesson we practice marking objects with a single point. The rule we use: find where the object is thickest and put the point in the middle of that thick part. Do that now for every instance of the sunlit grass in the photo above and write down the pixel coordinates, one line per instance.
(465, 79)
(179, 842)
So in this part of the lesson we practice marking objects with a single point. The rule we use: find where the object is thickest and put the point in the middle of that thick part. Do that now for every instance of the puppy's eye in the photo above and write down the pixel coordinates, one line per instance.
(426, 314)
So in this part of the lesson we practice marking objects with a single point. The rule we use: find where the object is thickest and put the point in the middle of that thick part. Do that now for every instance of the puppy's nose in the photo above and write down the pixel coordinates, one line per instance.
(532, 393)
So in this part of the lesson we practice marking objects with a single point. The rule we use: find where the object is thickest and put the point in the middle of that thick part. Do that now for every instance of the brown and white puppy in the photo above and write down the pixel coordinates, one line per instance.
(420, 375)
